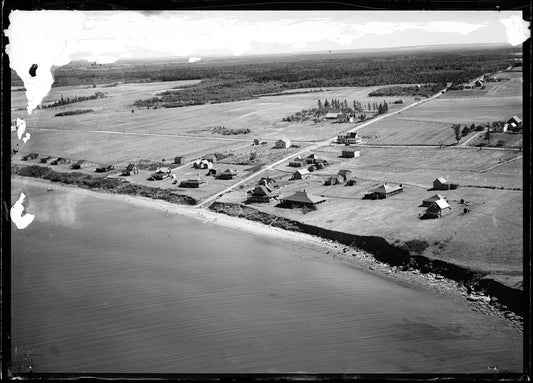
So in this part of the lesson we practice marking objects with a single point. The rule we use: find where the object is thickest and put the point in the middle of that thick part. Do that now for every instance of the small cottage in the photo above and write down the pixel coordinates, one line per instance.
(300, 174)
(300, 199)
(344, 174)
(429, 201)
(283, 143)
(350, 153)
(262, 193)
(441, 184)
(227, 174)
(131, 168)
(438, 209)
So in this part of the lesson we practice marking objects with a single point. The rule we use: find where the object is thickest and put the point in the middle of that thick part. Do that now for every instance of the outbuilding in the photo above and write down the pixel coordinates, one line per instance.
(80, 164)
(350, 153)
(344, 174)
(192, 183)
(333, 180)
(441, 184)
(177, 160)
(300, 174)
(227, 174)
(296, 162)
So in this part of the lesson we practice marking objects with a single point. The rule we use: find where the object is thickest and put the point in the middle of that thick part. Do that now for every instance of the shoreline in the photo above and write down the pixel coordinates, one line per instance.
(330, 249)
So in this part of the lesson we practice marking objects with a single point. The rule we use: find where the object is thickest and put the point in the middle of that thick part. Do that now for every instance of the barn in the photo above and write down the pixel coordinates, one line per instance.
(441, 184)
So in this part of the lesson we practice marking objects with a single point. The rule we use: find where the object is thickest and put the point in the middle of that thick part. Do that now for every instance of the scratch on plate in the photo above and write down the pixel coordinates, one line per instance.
(21, 221)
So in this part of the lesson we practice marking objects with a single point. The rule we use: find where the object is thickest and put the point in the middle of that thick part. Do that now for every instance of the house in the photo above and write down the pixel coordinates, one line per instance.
(80, 164)
(350, 153)
(283, 143)
(429, 201)
(227, 174)
(302, 198)
(267, 181)
(30, 156)
(262, 193)
(59, 161)
(161, 173)
(256, 141)
(332, 115)
(478, 83)
(438, 209)
(333, 180)
(384, 191)
(300, 174)
(105, 168)
(296, 162)
(192, 183)
(348, 138)
(514, 120)
(131, 168)
(344, 174)
(177, 160)
(202, 164)
(441, 184)
(310, 159)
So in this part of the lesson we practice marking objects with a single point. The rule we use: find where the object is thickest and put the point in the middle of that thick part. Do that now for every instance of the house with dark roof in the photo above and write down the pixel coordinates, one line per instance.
(80, 164)
(348, 138)
(131, 168)
(300, 199)
(262, 193)
(438, 209)
(429, 201)
(192, 183)
(282, 143)
(384, 191)
(441, 184)
(227, 174)
(345, 174)
(177, 160)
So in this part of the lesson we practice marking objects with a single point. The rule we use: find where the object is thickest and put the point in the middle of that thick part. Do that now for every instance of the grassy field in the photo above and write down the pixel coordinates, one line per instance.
(488, 237)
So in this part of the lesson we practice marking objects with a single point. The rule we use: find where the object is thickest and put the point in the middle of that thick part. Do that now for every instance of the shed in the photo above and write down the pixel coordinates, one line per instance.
(262, 193)
(429, 201)
(300, 174)
(131, 168)
(256, 141)
(384, 191)
(302, 198)
(283, 143)
(441, 184)
(350, 153)
(438, 209)
(177, 160)
(344, 174)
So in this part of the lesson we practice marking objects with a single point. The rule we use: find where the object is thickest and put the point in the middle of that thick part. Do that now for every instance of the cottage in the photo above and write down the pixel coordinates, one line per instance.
(429, 201)
(192, 183)
(131, 168)
(256, 141)
(177, 160)
(161, 173)
(262, 193)
(80, 164)
(302, 198)
(384, 191)
(344, 174)
(300, 174)
(438, 209)
(441, 184)
(348, 138)
(283, 143)
(227, 174)
(350, 153)
(333, 180)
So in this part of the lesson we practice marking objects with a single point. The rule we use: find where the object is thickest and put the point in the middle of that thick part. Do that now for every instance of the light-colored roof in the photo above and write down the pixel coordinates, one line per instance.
(332, 115)
(304, 197)
(283, 139)
(438, 205)
(385, 188)
(441, 179)
(263, 190)
(516, 118)
(302, 171)
(349, 149)
(434, 198)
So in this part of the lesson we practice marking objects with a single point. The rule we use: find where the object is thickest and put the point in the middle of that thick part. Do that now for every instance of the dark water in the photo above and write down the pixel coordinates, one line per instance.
(100, 286)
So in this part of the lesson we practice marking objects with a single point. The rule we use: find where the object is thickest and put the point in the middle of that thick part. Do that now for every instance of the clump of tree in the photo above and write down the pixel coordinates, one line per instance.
(73, 112)
(457, 130)
(67, 100)
(425, 90)
(226, 132)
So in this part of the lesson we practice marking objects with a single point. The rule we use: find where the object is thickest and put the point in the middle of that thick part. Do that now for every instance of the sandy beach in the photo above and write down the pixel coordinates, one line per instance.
(332, 251)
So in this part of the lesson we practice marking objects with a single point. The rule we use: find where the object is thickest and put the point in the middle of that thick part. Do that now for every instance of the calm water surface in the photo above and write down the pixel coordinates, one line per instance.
(101, 286)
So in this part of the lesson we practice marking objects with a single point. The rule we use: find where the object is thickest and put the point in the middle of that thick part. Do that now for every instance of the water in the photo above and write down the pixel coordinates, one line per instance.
(101, 286)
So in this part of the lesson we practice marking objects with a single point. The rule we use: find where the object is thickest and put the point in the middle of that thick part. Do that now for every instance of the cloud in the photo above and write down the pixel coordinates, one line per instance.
(194, 59)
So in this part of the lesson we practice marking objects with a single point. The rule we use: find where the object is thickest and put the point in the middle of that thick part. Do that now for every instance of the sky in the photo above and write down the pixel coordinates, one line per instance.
(105, 36)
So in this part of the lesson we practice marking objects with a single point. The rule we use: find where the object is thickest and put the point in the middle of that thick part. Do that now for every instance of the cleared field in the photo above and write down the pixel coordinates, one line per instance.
(489, 237)
(513, 87)
(506, 140)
